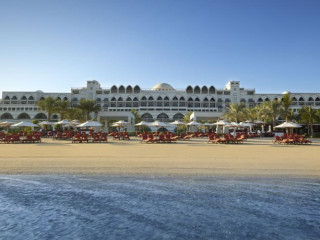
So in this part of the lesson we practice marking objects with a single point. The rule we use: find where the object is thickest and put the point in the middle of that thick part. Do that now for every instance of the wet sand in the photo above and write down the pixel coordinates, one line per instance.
(196, 157)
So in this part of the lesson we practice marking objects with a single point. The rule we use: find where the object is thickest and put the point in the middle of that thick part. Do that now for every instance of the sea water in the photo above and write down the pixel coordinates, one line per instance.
(111, 207)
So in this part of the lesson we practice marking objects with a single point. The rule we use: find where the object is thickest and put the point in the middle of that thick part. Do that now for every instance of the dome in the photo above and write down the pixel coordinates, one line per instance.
(163, 87)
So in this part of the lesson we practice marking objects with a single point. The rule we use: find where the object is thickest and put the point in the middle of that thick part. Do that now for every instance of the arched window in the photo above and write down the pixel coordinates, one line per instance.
(175, 102)
(31, 98)
(301, 101)
(163, 117)
(121, 89)
(42, 98)
(166, 101)
(196, 90)
(65, 99)
(147, 117)
(212, 90)
(267, 100)
(129, 89)
(136, 89)
(190, 102)
(23, 116)
(113, 102)
(182, 102)
(128, 102)
(114, 89)
(212, 103)
(7, 98)
(6, 116)
(189, 90)
(135, 102)
(143, 102)
(120, 101)
(178, 116)
(205, 103)
(58, 99)
(24, 100)
(260, 100)
(14, 100)
(159, 102)
(204, 90)
(310, 99)
(150, 101)
(40, 116)
(317, 101)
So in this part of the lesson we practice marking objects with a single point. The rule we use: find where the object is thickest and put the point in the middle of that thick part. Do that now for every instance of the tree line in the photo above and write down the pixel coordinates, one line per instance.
(65, 110)
(270, 112)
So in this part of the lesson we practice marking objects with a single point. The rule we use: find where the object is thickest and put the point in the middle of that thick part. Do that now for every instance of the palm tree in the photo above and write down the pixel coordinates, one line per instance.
(88, 106)
(308, 115)
(273, 110)
(137, 117)
(75, 113)
(286, 102)
(62, 108)
(250, 113)
(48, 105)
(235, 112)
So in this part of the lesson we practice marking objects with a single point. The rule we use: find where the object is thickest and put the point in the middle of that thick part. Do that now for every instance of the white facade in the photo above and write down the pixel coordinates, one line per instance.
(162, 102)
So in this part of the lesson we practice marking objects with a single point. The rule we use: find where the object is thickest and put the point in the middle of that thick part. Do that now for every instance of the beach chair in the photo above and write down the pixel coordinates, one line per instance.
(96, 138)
(126, 136)
(144, 138)
(77, 138)
(150, 139)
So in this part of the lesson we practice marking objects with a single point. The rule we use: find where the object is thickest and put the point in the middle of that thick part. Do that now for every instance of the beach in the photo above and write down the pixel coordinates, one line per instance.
(255, 157)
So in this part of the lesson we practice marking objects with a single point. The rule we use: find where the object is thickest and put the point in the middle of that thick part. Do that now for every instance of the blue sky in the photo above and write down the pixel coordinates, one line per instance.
(271, 45)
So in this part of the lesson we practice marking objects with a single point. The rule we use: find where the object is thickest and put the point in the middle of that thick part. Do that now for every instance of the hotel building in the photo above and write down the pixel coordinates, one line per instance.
(162, 102)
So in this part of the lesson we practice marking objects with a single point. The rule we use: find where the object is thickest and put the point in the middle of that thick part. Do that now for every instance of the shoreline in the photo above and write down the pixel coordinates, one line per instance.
(254, 158)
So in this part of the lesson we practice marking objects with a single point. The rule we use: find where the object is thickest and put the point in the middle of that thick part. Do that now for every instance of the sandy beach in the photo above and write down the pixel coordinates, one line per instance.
(195, 157)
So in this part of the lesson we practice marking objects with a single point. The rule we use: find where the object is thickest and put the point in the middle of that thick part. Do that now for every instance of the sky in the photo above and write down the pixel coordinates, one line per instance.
(271, 45)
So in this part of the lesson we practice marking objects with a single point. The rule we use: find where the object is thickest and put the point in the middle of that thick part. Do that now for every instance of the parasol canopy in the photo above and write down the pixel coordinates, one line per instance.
(90, 124)
(288, 125)
(24, 124)
(177, 122)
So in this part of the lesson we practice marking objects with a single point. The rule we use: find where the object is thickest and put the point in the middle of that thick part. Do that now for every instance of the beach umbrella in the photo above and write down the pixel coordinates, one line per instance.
(222, 123)
(158, 124)
(194, 123)
(63, 122)
(46, 123)
(121, 123)
(288, 125)
(6, 123)
(142, 123)
(247, 125)
(90, 124)
(24, 124)
(177, 122)
(259, 122)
